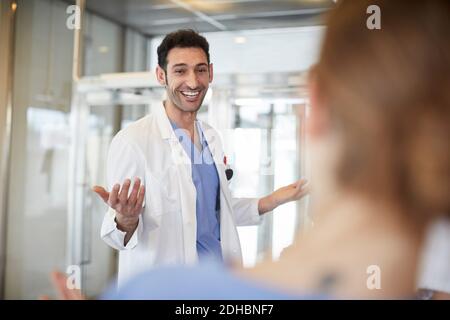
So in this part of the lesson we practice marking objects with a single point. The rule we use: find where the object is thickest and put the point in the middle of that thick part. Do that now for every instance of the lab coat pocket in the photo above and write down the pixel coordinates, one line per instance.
(162, 195)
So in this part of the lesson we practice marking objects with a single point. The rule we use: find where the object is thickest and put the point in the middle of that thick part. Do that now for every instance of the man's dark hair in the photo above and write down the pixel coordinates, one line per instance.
(184, 38)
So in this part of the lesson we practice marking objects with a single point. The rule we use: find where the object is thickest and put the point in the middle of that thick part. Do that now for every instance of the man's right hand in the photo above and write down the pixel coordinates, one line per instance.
(128, 208)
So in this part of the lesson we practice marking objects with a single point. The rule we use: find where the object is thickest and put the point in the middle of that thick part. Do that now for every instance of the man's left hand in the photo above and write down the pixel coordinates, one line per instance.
(292, 192)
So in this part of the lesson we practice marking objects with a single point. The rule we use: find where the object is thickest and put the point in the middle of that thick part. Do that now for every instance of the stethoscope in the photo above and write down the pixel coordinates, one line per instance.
(229, 173)
(228, 170)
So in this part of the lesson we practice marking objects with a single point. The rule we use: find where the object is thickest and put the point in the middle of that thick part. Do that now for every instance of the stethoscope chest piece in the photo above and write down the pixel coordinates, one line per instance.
(228, 170)
(229, 173)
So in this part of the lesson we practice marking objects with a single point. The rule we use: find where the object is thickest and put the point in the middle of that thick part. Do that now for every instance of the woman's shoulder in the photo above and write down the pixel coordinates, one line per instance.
(206, 281)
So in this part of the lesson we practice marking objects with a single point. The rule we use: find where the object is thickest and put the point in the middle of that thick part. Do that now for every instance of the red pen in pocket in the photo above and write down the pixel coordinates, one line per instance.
(228, 170)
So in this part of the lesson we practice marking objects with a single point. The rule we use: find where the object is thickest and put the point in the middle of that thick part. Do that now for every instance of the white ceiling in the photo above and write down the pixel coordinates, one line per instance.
(157, 17)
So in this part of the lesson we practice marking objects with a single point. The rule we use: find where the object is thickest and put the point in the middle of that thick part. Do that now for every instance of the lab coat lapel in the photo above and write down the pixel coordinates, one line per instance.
(188, 194)
(231, 249)
(215, 147)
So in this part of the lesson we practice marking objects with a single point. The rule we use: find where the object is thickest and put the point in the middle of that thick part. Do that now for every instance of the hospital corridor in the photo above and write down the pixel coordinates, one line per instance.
(277, 150)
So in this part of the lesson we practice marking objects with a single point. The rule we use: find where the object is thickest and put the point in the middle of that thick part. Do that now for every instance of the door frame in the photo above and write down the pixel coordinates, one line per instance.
(7, 28)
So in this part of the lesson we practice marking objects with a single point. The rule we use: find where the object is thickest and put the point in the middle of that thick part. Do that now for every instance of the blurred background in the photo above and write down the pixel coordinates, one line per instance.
(66, 91)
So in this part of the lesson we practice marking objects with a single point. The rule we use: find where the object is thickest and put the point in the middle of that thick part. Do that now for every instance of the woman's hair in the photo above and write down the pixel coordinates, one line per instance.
(388, 94)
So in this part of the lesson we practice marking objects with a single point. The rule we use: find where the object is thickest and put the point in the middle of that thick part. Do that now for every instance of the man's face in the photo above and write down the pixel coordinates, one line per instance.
(187, 78)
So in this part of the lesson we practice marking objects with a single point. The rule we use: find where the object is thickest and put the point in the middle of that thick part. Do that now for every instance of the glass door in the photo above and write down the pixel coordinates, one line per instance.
(86, 250)
(37, 171)
(97, 115)
(262, 123)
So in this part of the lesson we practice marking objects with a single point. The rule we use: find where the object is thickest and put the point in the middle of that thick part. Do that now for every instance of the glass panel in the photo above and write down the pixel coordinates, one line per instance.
(286, 170)
(103, 46)
(104, 122)
(264, 149)
(37, 191)
(38, 184)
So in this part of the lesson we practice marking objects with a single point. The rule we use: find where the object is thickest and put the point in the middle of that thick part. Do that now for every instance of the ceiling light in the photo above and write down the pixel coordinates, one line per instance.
(103, 49)
(240, 40)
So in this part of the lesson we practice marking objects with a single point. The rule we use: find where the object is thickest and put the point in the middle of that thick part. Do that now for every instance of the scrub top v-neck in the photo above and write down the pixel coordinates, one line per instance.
(207, 185)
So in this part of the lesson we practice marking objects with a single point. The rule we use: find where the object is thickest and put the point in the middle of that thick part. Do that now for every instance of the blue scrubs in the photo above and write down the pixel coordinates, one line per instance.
(207, 184)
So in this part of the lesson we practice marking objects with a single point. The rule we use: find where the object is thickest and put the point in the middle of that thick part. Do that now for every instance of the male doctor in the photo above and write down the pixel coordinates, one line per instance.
(188, 212)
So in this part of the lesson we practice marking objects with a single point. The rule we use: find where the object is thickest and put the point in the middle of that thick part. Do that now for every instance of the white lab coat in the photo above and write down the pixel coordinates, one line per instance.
(166, 233)
(434, 266)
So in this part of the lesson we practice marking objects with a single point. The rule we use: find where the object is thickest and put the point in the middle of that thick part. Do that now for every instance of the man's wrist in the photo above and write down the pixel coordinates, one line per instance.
(267, 203)
(273, 202)
(126, 224)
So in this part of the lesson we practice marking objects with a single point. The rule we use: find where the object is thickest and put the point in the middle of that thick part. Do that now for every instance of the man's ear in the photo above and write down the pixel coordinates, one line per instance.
(161, 75)
(319, 121)
(211, 72)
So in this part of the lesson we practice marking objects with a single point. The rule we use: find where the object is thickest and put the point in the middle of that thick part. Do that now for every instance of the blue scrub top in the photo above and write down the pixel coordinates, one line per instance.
(207, 281)
(207, 184)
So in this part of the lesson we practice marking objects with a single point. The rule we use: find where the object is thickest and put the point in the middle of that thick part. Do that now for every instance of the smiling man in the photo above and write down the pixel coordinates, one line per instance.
(169, 201)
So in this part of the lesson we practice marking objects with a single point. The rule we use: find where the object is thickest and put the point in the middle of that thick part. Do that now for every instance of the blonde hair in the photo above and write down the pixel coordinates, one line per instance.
(388, 95)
